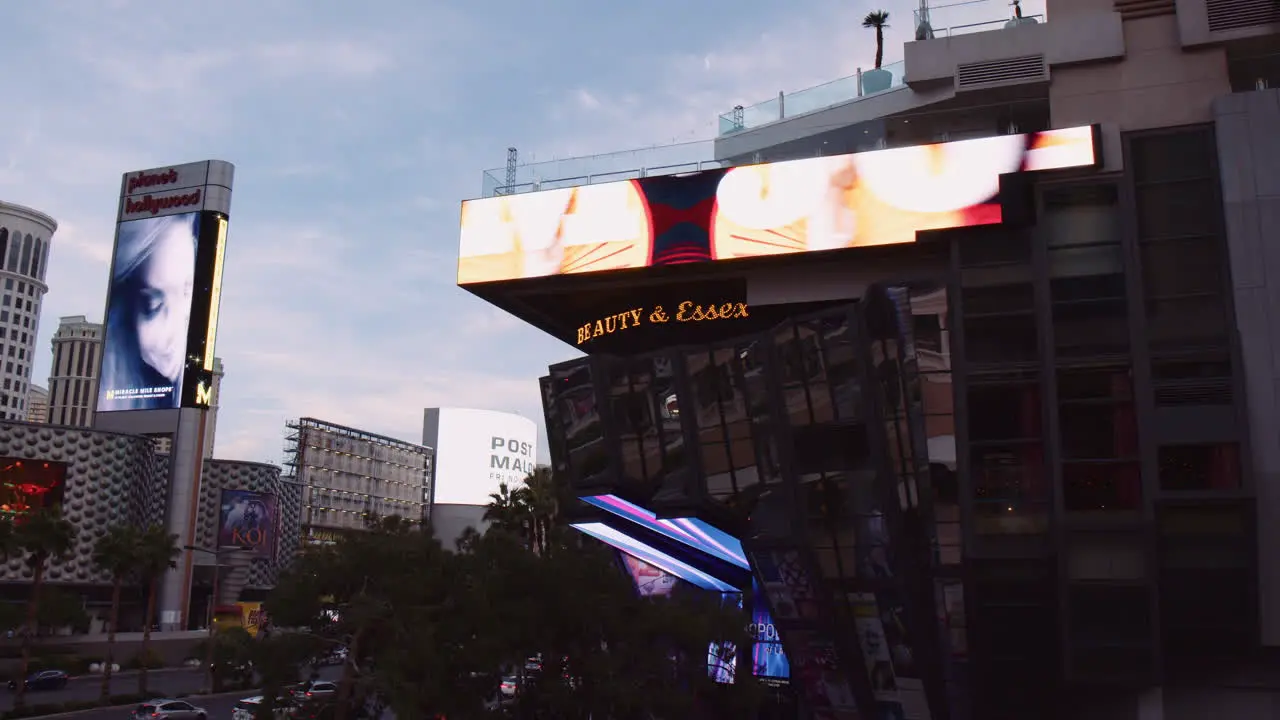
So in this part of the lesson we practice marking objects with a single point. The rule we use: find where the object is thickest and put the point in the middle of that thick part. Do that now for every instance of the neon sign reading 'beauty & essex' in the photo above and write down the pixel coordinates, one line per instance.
(687, 311)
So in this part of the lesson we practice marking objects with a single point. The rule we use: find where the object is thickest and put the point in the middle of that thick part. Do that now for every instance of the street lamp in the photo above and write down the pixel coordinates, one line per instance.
(213, 600)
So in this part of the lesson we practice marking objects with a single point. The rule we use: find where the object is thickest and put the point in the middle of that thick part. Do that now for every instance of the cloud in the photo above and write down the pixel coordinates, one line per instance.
(355, 135)
(680, 97)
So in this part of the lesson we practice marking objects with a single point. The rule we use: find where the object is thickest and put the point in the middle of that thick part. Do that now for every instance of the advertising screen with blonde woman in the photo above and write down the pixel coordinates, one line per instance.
(153, 281)
(865, 199)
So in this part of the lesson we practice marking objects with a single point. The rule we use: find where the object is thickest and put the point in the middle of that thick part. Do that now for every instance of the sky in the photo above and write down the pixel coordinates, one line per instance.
(356, 130)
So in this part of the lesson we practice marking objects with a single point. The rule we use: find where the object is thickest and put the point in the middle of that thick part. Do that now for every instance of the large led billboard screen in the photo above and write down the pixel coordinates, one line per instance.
(161, 317)
(476, 451)
(666, 562)
(864, 199)
(247, 520)
(694, 533)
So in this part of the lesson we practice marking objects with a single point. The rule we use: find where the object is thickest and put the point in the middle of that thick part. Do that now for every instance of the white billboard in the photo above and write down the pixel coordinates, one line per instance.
(477, 450)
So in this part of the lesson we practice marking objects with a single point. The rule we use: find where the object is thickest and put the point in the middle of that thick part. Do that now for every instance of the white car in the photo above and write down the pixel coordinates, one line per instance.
(164, 709)
(509, 686)
(316, 690)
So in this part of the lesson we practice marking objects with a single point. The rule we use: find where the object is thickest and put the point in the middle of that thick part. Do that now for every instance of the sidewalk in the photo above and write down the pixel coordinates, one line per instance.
(131, 673)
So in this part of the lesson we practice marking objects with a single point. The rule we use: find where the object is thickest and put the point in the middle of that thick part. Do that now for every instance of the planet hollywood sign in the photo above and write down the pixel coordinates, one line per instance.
(146, 180)
(687, 311)
(152, 205)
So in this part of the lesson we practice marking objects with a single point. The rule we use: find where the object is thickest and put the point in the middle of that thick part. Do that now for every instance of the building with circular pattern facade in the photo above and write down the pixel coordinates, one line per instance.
(106, 479)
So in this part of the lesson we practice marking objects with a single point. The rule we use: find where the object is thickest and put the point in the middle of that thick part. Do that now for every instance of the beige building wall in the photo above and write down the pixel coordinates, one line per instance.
(1157, 84)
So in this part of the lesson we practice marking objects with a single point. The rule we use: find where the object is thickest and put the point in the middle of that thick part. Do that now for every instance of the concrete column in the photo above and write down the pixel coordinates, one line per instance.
(181, 509)
(1249, 158)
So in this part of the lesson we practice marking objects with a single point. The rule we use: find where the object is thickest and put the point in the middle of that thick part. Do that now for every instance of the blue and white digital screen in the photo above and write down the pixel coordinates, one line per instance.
(693, 532)
(653, 556)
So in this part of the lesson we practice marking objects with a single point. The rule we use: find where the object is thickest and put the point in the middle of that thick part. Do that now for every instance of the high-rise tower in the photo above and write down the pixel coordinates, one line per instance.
(73, 378)
(25, 235)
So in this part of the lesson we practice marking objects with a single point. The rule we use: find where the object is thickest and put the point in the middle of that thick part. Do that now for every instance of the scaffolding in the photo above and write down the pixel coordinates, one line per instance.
(348, 476)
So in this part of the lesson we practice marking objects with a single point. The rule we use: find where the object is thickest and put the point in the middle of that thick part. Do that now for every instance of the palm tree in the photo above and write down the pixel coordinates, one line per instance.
(877, 20)
(44, 535)
(506, 509)
(115, 553)
(157, 554)
(542, 503)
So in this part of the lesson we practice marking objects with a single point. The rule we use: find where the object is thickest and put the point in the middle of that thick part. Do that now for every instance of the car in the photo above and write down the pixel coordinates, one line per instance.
(337, 656)
(316, 690)
(169, 709)
(43, 680)
(246, 708)
(509, 686)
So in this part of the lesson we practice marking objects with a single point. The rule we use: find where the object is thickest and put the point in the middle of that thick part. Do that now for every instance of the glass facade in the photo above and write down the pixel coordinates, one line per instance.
(811, 441)
(963, 496)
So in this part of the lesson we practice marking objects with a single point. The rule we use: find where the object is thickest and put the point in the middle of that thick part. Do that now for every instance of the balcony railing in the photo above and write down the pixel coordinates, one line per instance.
(788, 105)
(978, 27)
(606, 167)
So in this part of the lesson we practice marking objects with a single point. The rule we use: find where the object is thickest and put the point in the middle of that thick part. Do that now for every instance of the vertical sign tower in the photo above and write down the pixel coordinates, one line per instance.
(160, 323)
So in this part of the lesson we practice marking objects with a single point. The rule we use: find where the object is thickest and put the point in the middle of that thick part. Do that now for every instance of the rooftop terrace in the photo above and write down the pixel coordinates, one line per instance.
(970, 16)
(852, 88)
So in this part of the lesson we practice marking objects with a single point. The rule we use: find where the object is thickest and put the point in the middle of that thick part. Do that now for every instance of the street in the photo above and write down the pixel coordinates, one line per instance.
(165, 682)
(162, 683)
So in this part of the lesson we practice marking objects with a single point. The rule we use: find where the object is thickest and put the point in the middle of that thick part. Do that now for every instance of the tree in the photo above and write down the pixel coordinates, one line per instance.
(116, 554)
(158, 552)
(44, 535)
(605, 651)
(530, 511)
(877, 20)
(279, 659)
(507, 509)
(348, 594)
(430, 632)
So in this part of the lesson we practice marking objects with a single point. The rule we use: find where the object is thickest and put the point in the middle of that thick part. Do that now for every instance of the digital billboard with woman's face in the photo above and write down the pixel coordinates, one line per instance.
(166, 283)
(153, 277)
(882, 197)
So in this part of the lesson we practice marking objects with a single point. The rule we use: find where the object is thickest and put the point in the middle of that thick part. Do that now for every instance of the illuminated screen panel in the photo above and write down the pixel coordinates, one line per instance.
(248, 520)
(689, 531)
(27, 485)
(722, 662)
(650, 581)
(161, 316)
(865, 199)
(768, 660)
(653, 556)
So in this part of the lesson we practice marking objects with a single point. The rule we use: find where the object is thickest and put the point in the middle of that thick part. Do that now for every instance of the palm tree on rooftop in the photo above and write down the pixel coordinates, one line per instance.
(877, 20)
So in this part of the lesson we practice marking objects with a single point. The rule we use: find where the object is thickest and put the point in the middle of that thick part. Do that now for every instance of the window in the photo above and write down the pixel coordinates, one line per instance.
(994, 246)
(1004, 412)
(1101, 486)
(1202, 378)
(1177, 268)
(1177, 209)
(1098, 431)
(1172, 156)
(1115, 384)
(1011, 495)
(1189, 321)
(998, 298)
(4, 245)
(1199, 467)
(1001, 339)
